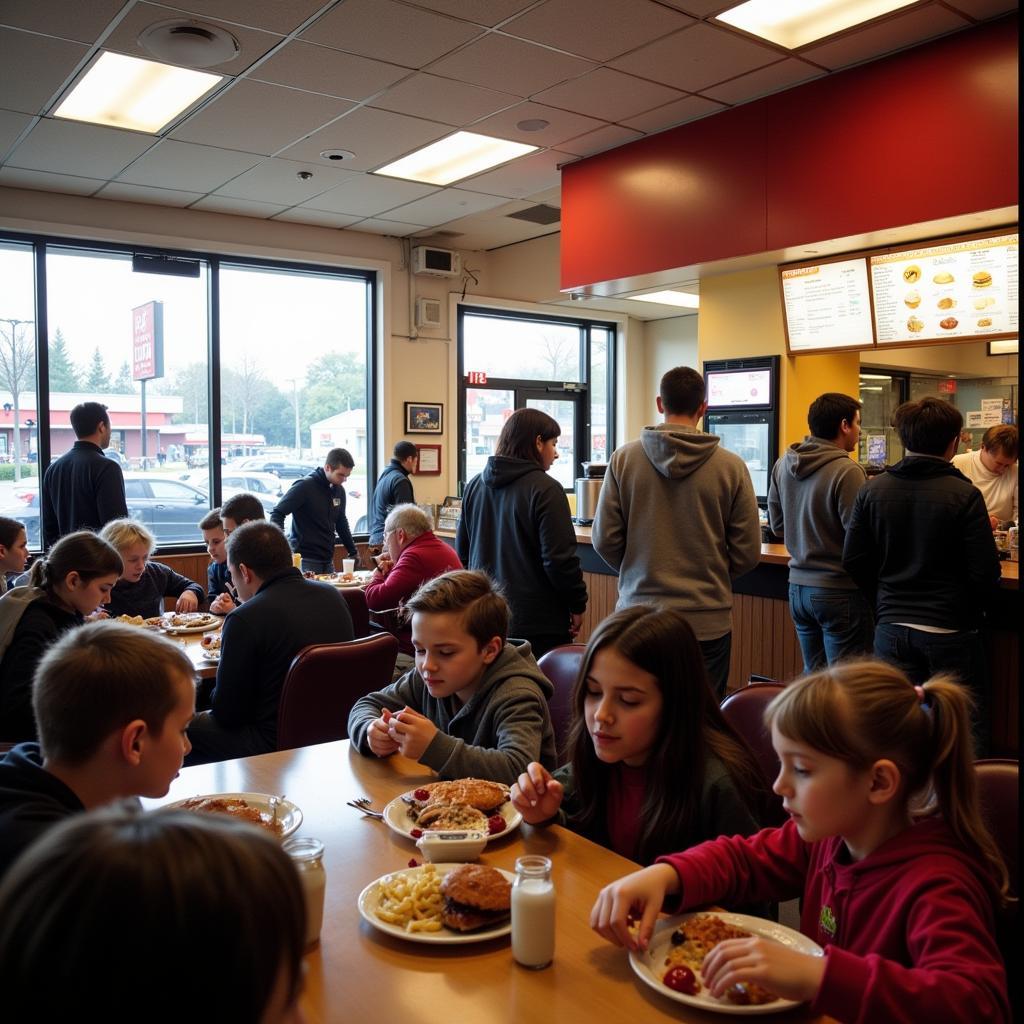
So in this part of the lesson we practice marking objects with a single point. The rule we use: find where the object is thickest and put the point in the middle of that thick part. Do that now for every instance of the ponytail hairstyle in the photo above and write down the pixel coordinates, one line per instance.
(691, 729)
(863, 711)
(82, 552)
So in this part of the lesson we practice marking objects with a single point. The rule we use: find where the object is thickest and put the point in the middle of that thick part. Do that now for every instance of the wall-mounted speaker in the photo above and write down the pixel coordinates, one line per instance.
(428, 312)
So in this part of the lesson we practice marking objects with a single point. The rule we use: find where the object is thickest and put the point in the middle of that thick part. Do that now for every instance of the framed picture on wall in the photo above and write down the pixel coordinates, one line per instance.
(429, 461)
(424, 417)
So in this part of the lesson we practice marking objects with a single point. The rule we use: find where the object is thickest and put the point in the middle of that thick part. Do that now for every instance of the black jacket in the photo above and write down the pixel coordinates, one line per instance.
(515, 525)
(82, 490)
(920, 546)
(146, 597)
(317, 509)
(393, 488)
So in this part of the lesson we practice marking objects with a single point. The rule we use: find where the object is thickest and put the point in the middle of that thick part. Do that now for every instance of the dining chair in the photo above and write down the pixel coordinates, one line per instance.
(561, 665)
(358, 609)
(323, 683)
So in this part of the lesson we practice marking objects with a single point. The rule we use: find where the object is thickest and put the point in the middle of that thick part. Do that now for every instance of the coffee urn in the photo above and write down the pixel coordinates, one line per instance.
(588, 487)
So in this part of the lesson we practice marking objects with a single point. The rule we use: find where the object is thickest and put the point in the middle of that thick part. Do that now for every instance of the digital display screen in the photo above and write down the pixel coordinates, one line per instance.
(736, 389)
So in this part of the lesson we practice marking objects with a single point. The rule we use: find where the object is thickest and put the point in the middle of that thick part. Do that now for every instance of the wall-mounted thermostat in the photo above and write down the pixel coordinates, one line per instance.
(436, 262)
(428, 312)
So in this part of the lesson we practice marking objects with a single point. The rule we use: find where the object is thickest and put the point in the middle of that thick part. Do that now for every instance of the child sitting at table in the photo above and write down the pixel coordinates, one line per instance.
(654, 766)
(112, 703)
(886, 846)
(144, 584)
(109, 912)
(474, 705)
(220, 590)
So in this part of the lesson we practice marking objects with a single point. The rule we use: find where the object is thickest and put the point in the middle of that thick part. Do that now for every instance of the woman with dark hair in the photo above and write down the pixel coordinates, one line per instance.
(516, 527)
(13, 549)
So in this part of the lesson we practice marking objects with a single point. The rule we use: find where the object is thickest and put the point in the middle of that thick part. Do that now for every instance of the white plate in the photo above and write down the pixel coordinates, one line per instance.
(288, 814)
(211, 655)
(369, 899)
(649, 966)
(398, 820)
(205, 627)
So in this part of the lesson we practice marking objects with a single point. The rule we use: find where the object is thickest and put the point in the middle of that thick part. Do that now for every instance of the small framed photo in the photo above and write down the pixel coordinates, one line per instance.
(424, 418)
(429, 461)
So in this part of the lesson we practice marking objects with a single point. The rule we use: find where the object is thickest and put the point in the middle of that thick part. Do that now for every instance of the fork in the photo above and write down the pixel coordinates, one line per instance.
(362, 803)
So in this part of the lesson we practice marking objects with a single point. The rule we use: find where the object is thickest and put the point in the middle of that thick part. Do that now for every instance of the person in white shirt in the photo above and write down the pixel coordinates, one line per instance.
(993, 470)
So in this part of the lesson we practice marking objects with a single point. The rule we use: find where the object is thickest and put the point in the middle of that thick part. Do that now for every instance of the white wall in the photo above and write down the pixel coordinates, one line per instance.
(667, 343)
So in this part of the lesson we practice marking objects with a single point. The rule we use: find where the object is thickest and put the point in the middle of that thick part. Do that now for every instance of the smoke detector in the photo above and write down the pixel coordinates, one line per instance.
(190, 44)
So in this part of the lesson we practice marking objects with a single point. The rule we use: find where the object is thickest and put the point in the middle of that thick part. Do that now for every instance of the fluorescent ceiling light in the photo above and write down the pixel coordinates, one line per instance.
(1003, 348)
(129, 92)
(458, 156)
(794, 23)
(669, 298)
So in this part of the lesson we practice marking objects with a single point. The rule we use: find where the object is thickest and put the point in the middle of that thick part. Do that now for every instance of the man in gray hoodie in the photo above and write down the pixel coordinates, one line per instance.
(810, 502)
(677, 518)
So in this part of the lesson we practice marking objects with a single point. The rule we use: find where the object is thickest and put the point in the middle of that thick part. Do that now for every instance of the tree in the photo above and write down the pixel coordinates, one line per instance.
(335, 383)
(123, 384)
(17, 372)
(97, 380)
(190, 383)
(63, 373)
(239, 386)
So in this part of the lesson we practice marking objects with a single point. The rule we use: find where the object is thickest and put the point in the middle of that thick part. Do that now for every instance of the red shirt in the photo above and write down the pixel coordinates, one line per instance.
(625, 804)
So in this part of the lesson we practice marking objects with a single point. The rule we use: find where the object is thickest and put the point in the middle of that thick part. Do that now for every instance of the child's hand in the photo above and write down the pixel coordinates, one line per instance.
(640, 894)
(188, 602)
(777, 968)
(100, 613)
(222, 604)
(379, 737)
(537, 796)
(412, 732)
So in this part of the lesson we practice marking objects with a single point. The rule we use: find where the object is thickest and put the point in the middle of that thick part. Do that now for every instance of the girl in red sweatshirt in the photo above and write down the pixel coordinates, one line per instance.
(885, 844)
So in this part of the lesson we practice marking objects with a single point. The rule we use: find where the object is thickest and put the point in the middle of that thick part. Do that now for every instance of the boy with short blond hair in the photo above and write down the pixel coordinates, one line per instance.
(111, 703)
(475, 704)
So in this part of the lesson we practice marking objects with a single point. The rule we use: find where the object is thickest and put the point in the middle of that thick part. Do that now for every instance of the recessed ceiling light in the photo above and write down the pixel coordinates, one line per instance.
(458, 156)
(794, 23)
(129, 92)
(335, 155)
(189, 43)
(532, 124)
(668, 297)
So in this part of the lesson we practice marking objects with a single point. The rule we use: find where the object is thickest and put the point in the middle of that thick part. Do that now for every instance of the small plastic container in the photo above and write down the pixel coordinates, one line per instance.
(454, 847)
(308, 857)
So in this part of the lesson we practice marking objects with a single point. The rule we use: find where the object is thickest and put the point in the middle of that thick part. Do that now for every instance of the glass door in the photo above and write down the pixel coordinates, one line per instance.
(565, 407)
(881, 391)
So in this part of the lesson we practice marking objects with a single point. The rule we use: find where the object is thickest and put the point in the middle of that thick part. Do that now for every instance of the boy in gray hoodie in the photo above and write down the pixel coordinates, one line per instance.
(474, 705)
(810, 502)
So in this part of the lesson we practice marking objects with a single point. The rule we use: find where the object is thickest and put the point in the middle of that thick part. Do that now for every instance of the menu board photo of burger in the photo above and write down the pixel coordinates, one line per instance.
(963, 288)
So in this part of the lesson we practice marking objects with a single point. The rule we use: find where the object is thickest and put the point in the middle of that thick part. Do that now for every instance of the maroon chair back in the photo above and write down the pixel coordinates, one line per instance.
(358, 609)
(999, 796)
(744, 711)
(562, 665)
(323, 683)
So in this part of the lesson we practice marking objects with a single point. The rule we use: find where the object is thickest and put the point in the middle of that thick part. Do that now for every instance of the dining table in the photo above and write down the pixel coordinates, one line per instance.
(357, 972)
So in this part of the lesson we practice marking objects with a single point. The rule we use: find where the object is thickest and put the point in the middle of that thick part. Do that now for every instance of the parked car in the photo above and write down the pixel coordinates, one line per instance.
(286, 469)
(266, 486)
(115, 456)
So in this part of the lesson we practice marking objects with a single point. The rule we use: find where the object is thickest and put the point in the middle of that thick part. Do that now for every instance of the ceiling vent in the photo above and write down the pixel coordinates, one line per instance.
(189, 44)
(542, 214)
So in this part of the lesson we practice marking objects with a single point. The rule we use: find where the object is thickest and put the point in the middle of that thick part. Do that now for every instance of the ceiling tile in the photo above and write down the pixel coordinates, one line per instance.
(318, 218)
(144, 194)
(34, 68)
(12, 124)
(697, 57)
(597, 142)
(510, 65)
(610, 95)
(321, 69)
(597, 29)
(891, 34)
(375, 136)
(241, 207)
(271, 15)
(687, 109)
(443, 206)
(252, 42)
(390, 31)
(278, 181)
(983, 9)
(85, 150)
(521, 177)
(778, 76)
(387, 227)
(564, 125)
(701, 8)
(480, 12)
(182, 165)
(81, 21)
(550, 196)
(492, 232)
(365, 195)
(428, 96)
(43, 181)
(259, 118)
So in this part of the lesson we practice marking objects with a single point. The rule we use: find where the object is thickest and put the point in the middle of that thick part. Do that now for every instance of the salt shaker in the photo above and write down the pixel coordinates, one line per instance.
(533, 913)
(308, 857)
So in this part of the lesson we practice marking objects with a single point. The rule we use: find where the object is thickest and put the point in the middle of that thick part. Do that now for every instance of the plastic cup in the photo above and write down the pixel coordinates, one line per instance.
(348, 565)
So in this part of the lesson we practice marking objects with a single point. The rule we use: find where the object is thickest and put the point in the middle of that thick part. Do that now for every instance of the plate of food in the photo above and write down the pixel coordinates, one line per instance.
(671, 964)
(470, 804)
(211, 646)
(274, 813)
(137, 620)
(447, 904)
(189, 622)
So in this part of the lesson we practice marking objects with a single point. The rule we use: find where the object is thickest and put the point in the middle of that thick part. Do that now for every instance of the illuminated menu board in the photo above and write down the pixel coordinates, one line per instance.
(827, 305)
(958, 289)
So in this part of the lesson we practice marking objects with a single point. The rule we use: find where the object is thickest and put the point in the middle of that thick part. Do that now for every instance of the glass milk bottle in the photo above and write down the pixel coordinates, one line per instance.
(533, 913)
(308, 857)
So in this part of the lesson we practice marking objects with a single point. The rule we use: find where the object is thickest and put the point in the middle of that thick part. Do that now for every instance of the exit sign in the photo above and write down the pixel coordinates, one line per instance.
(476, 377)
(948, 386)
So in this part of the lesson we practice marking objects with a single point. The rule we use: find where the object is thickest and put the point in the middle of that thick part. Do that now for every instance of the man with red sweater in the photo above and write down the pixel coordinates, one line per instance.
(412, 555)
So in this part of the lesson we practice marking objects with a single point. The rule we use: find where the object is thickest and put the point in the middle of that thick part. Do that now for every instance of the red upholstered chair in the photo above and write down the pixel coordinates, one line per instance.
(356, 601)
(744, 711)
(562, 665)
(323, 683)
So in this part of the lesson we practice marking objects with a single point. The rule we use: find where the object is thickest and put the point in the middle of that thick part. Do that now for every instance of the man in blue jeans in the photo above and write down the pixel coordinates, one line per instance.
(810, 501)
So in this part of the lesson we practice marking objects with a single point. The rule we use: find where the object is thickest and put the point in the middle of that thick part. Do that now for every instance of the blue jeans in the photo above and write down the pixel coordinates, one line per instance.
(716, 654)
(315, 565)
(830, 624)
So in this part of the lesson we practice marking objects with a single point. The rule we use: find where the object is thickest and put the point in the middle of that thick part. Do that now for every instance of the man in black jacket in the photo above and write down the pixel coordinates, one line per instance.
(393, 488)
(317, 507)
(280, 614)
(83, 490)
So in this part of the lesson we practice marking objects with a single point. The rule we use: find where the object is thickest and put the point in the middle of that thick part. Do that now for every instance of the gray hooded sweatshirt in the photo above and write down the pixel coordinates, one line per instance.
(810, 502)
(677, 518)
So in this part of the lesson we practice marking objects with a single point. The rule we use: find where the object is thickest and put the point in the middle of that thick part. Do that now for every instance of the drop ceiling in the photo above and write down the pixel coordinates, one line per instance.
(380, 78)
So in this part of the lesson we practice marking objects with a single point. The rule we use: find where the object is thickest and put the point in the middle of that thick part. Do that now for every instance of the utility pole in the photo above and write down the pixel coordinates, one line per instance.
(13, 371)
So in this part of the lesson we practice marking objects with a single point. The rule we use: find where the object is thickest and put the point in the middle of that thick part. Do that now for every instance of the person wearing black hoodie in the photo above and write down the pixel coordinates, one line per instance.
(393, 488)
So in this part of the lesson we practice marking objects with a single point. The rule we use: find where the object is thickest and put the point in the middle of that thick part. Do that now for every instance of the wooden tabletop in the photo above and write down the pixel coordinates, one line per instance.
(357, 973)
(193, 645)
